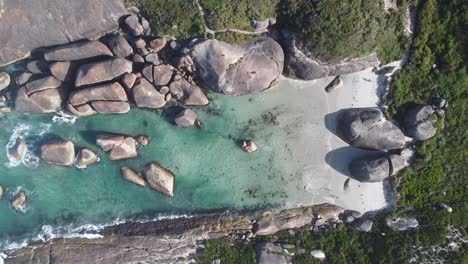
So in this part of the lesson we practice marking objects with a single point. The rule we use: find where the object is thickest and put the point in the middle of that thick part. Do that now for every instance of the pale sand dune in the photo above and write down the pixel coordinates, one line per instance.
(322, 157)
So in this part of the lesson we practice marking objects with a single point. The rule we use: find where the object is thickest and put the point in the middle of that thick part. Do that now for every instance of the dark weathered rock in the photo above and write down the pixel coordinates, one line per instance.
(85, 158)
(97, 72)
(336, 83)
(78, 51)
(187, 93)
(117, 147)
(133, 25)
(27, 25)
(120, 46)
(58, 153)
(64, 71)
(23, 78)
(239, 70)
(37, 67)
(4, 80)
(159, 178)
(376, 168)
(131, 176)
(417, 122)
(146, 96)
(185, 118)
(42, 84)
(367, 128)
(162, 74)
(46, 101)
(361, 224)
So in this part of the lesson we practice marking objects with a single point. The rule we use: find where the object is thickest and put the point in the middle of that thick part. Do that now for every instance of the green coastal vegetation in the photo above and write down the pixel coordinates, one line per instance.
(436, 68)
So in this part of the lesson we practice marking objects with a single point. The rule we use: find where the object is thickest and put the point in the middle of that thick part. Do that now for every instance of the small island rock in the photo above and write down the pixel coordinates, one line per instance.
(159, 178)
(131, 176)
(18, 201)
(86, 157)
(185, 118)
(248, 146)
(58, 152)
(118, 147)
(19, 149)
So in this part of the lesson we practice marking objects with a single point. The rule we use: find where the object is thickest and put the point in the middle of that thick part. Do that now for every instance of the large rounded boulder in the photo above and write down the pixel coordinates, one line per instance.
(376, 168)
(367, 128)
(58, 152)
(417, 122)
(239, 69)
(159, 178)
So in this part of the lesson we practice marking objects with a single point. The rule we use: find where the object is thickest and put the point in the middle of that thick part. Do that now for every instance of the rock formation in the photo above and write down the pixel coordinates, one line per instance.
(117, 147)
(238, 70)
(63, 23)
(417, 122)
(58, 152)
(19, 149)
(367, 128)
(159, 178)
(185, 118)
(131, 176)
(96, 72)
(18, 201)
(85, 158)
(376, 168)
(145, 95)
(248, 146)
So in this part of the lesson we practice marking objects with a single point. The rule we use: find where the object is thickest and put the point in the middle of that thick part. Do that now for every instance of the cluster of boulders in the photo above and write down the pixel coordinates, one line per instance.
(367, 128)
(63, 153)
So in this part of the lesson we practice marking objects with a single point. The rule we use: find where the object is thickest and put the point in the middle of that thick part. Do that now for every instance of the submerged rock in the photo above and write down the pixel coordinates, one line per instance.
(185, 118)
(238, 69)
(101, 71)
(58, 152)
(4, 80)
(117, 147)
(248, 146)
(367, 128)
(159, 178)
(131, 176)
(77, 51)
(85, 158)
(417, 122)
(1, 192)
(19, 149)
(18, 201)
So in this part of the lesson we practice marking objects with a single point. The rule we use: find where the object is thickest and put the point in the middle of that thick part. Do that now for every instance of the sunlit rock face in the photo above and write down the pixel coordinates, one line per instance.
(23, 28)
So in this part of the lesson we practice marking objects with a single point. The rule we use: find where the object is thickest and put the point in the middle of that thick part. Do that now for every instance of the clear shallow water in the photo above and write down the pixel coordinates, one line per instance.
(211, 171)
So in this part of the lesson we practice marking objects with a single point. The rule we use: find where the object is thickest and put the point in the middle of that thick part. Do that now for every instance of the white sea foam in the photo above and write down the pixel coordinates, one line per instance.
(62, 117)
(25, 131)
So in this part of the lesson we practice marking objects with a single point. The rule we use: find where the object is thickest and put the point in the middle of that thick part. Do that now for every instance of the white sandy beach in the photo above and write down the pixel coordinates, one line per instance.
(320, 158)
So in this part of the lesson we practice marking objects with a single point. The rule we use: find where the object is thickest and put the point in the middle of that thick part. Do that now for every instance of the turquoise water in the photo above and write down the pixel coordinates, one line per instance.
(212, 172)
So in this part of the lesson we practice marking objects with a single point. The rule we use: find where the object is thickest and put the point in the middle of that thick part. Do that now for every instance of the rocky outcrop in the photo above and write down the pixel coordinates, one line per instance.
(117, 147)
(101, 71)
(145, 95)
(131, 176)
(63, 23)
(104, 99)
(402, 223)
(42, 84)
(238, 70)
(376, 168)
(268, 253)
(159, 178)
(85, 158)
(185, 118)
(299, 65)
(19, 149)
(42, 99)
(188, 93)
(58, 153)
(162, 74)
(64, 71)
(77, 51)
(417, 122)
(4, 80)
(37, 67)
(120, 46)
(18, 201)
(367, 128)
